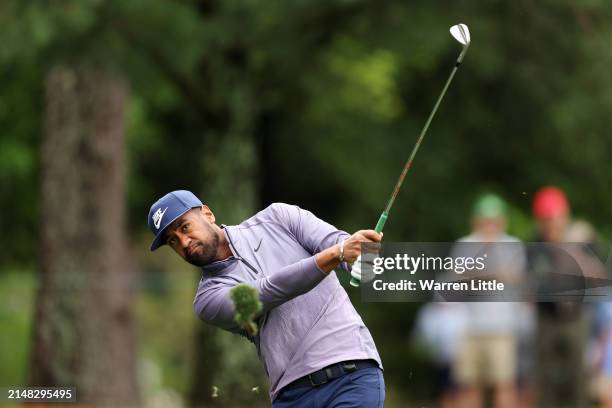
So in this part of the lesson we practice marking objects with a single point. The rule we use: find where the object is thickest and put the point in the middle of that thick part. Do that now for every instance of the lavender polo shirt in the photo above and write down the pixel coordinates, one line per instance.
(308, 321)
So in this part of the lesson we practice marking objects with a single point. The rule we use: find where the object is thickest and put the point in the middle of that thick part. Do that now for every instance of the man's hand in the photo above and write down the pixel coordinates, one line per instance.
(352, 246)
(329, 259)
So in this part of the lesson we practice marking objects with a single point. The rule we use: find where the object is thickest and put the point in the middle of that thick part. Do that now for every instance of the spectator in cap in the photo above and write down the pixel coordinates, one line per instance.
(562, 326)
(551, 211)
(487, 354)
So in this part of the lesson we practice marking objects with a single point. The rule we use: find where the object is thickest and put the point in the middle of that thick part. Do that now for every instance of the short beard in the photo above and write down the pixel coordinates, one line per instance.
(207, 253)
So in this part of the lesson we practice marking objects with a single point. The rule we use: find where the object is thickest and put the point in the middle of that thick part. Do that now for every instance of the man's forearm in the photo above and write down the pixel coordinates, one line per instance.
(328, 259)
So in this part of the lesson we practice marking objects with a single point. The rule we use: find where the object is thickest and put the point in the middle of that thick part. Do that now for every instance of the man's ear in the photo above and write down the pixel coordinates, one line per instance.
(208, 214)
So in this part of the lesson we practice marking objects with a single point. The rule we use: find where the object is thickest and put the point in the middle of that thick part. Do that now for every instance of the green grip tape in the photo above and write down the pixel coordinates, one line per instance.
(381, 222)
(355, 282)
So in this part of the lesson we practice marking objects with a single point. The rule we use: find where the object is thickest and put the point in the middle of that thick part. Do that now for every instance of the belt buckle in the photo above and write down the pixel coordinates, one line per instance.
(328, 374)
(314, 384)
(349, 367)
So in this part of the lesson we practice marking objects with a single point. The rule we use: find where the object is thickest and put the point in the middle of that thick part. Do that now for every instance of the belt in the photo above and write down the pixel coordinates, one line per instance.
(330, 373)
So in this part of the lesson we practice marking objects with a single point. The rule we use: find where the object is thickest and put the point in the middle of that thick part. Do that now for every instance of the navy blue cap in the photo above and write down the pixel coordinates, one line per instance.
(168, 209)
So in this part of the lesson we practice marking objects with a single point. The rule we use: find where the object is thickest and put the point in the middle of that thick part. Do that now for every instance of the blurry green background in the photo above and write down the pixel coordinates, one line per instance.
(315, 103)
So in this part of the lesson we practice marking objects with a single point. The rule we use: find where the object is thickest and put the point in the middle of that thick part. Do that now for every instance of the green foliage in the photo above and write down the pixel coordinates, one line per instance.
(341, 88)
(247, 305)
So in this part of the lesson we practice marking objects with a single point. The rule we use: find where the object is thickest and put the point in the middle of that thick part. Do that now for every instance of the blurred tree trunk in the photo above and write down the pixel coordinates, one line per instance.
(84, 332)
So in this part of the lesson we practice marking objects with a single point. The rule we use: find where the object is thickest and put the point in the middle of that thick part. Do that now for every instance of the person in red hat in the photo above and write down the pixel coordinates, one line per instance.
(551, 211)
(562, 326)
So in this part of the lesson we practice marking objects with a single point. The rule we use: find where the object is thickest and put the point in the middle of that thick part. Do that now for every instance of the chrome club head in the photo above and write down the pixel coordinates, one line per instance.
(461, 33)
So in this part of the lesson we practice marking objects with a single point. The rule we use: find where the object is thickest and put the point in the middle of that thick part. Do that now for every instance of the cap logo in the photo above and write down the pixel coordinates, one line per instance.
(157, 217)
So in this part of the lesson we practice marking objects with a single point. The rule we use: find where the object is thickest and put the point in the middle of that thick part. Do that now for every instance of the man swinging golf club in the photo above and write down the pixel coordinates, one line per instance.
(313, 344)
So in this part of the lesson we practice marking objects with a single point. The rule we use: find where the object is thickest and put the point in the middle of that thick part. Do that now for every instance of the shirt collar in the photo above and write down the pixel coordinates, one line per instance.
(215, 267)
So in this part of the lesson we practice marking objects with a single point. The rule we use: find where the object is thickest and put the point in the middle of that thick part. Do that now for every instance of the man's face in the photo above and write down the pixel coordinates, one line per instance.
(490, 228)
(553, 229)
(194, 237)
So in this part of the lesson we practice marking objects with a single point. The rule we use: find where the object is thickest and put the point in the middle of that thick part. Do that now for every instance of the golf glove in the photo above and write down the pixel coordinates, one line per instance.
(363, 267)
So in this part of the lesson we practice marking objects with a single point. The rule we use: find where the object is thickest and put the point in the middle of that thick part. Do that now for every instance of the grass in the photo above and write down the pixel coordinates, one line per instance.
(17, 295)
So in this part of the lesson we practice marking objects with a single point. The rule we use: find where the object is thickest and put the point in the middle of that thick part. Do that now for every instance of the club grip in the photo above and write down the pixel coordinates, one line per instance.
(381, 222)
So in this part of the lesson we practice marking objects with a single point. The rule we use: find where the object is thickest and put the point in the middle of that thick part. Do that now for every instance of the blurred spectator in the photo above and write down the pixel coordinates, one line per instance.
(600, 350)
(602, 355)
(440, 327)
(487, 356)
(562, 326)
(581, 231)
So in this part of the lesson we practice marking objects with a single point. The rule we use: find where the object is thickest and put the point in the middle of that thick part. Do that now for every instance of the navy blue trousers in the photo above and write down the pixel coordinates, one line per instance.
(360, 389)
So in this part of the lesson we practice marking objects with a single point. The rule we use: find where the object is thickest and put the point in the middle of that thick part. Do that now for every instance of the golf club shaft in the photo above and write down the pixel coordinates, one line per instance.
(385, 214)
(461, 33)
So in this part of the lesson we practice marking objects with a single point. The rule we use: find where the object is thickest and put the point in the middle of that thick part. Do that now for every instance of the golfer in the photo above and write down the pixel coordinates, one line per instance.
(315, 348)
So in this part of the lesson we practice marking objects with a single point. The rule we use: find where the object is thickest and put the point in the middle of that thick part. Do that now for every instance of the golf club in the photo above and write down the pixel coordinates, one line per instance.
(461, 33)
